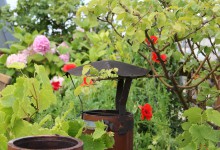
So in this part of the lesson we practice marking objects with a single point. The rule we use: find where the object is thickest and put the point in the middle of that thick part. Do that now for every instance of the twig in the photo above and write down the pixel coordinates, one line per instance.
(181, 67)
(198, 70)
(178, 92)
(202, 80)
(154, 71)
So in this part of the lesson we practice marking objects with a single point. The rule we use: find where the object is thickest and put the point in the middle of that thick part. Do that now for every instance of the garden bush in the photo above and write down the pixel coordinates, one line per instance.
(177, 40)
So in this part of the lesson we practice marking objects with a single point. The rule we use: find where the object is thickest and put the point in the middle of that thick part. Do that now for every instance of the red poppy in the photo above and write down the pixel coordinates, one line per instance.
(85, 83)
(146, 111)
(156, 59)
(67, 67)
(153, 38)
(55, 85)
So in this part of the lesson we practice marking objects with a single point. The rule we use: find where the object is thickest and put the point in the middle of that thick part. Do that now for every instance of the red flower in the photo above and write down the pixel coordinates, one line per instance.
(156, 59)
(55, 85)
(146, 111)
(67, 67)
(85, 82)
(153, 38)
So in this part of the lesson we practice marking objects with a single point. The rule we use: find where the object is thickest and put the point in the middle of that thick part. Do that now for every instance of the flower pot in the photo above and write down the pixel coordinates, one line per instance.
(121, 125)
(45, 142)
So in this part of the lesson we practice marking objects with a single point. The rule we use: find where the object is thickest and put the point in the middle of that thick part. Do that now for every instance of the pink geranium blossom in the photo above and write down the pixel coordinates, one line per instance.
(41, 44)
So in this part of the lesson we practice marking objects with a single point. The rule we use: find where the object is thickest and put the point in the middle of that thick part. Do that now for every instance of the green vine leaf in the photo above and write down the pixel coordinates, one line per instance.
(194, 115)
(213, 116)
(91, 144)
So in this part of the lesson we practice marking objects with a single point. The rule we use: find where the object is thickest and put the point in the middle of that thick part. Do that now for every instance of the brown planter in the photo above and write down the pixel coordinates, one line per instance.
(121, 125)
(45, 143)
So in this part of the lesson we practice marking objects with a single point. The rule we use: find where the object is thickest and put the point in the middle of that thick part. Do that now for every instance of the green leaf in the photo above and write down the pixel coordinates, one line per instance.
(139, 35)
(45, 119)
(178, 27)
(108, 140)
(36, 57)
(90, 144)
(118, 10)
(161, 18)
(184, 139)
(78, 90)
(75, 127)
(213, 116)
(17, 65)
(99, 130)
(86, 69)
(201, 133)
(194, 115)
(186, 125)
(3, 142)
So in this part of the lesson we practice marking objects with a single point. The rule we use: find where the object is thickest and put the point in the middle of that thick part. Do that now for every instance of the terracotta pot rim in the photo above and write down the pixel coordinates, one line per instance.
(79, 144)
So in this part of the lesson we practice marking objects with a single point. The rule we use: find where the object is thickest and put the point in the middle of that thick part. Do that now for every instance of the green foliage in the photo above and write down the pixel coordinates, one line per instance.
(198, 130)
(30, 107)
(55, 17)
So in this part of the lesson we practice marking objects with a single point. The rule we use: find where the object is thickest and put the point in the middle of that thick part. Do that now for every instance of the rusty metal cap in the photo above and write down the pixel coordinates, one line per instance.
(124, 69)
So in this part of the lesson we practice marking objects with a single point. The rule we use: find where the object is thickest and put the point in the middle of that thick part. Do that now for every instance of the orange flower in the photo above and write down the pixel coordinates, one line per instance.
(153, 38)
(67, 67)
(85, 83)
(155, 58)
(146, 111)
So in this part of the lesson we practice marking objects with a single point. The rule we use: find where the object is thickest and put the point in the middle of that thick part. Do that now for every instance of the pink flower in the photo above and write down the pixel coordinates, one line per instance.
(21, 58)
(63, 44)
(29, 51)
(41, 44)
(57, 79)
(65, 57)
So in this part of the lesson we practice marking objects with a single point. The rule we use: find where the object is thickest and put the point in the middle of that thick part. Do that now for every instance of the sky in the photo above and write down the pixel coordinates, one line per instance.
(12, 3)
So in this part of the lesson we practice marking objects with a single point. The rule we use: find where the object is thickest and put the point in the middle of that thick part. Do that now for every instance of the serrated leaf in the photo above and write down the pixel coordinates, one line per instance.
(186, 125)
(90, 144)
(202, 133)
(98, 133)
(213, 116)
(99, 130)
(75, 127)
(184, 139)
(108, 140)
(193, 114)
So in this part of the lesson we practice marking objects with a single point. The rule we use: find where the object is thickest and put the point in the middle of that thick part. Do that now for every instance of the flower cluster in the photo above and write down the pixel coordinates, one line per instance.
(41, 44)
(16, 58)
(154, 55)
(146, 111)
